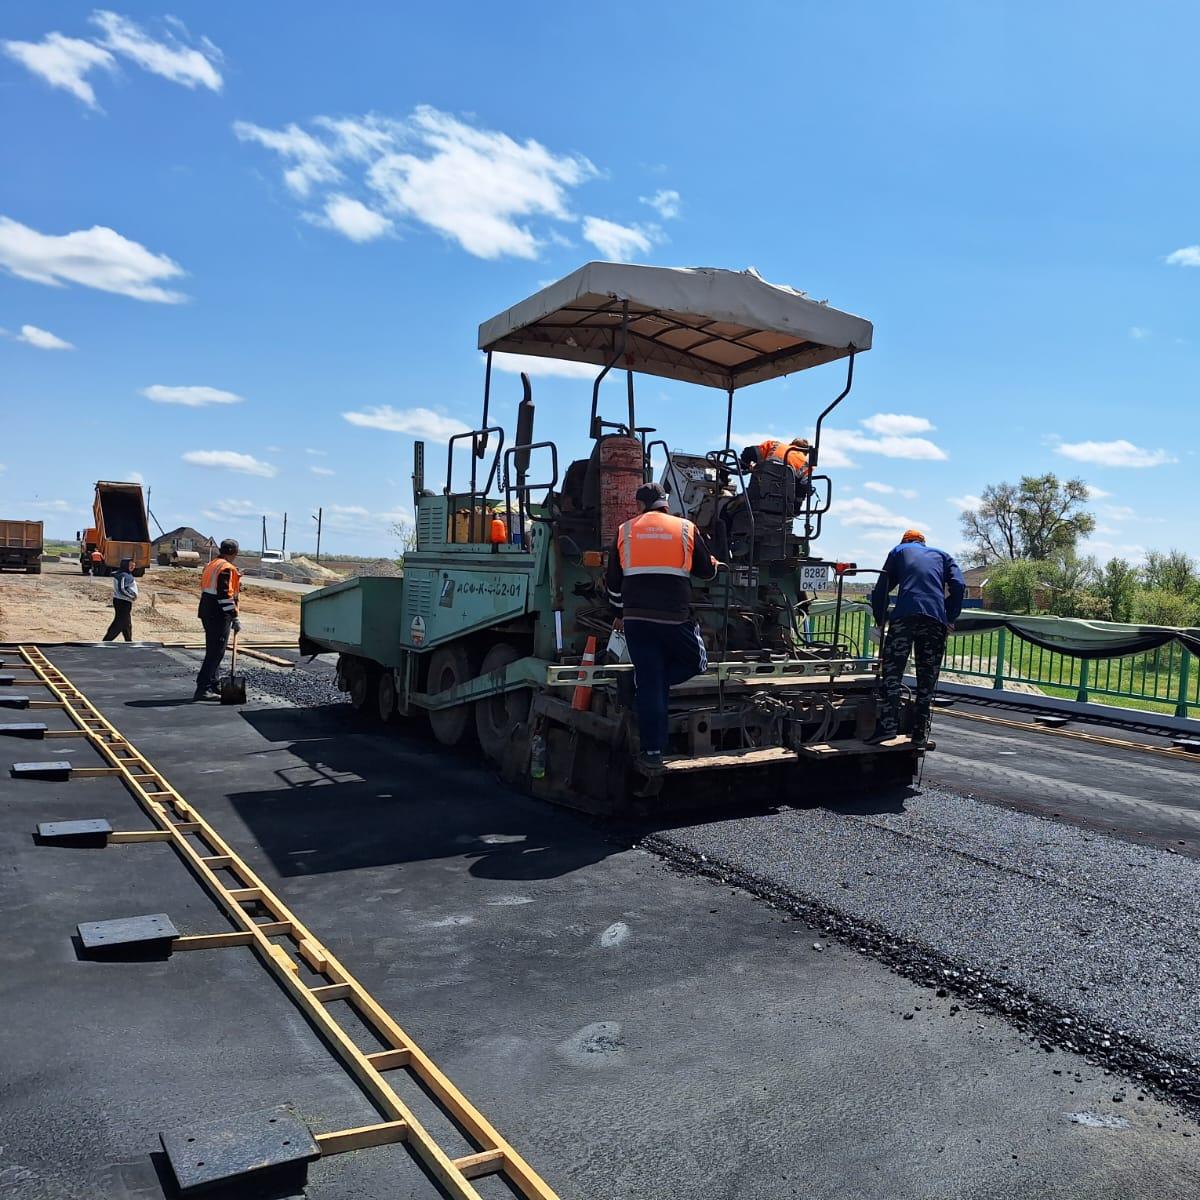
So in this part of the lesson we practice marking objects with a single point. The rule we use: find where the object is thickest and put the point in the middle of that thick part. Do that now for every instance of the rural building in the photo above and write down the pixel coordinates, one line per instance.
(183, 538)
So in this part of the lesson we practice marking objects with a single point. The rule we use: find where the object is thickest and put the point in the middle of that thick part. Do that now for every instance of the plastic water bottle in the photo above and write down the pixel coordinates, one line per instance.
(537, 756)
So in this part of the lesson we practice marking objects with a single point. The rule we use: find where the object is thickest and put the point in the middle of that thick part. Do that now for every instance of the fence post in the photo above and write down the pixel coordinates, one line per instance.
(1181, 703)
(1001, 643)
(1081, 696)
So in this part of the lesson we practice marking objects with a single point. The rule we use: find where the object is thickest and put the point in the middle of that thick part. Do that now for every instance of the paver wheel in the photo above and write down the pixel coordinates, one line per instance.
(385, 695)
(361, 678)
(497, 717)
(85, 568)
(450, 666)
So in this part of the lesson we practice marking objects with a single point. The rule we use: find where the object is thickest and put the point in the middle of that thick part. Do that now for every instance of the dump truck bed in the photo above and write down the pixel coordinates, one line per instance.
(360, 616)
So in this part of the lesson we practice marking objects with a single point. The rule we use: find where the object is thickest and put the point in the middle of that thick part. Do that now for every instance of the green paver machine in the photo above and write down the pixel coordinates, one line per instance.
(487, 630)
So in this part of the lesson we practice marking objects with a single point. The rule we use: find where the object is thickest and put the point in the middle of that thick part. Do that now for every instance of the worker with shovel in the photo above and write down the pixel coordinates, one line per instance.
(220, 586)
(930, 590)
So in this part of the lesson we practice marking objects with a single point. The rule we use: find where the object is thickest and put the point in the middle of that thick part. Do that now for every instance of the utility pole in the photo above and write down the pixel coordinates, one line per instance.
(283, 544)
(317, 518)
(264, 538)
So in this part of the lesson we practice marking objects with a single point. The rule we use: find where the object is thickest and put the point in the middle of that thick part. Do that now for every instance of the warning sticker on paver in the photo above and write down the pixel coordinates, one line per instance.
(417, 631)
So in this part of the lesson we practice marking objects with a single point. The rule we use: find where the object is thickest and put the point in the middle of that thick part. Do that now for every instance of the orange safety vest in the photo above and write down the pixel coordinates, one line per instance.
(208, 580)
(656, 543)
(792, 455)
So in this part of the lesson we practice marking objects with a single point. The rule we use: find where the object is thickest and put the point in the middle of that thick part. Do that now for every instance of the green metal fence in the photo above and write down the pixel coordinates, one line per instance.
(1162, 680)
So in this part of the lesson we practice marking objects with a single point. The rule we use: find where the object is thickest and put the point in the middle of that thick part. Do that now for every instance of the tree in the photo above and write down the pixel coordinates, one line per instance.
(1173, 571)
(1041, 518)
(1119, 586)
(1158, 606)
(1012, 587)
(1072, 586)
(406, 534)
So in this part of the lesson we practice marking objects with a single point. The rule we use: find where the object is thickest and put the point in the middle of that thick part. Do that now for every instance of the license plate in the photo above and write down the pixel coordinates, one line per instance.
(814, 579)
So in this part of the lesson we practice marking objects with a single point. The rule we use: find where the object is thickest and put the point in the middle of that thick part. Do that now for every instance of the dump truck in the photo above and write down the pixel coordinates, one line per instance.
(21, 546)
(120, 531)
(485, 637)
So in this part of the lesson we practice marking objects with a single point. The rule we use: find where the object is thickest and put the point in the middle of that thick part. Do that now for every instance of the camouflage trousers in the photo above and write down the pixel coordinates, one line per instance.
(925, 639)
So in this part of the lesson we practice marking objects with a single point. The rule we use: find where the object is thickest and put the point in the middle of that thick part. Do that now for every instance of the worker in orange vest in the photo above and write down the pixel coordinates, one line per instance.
(650, 565)
(220, 587)
(794, 453)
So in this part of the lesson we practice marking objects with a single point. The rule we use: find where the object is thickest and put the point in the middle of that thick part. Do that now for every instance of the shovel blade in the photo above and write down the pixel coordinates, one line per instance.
(233, 689)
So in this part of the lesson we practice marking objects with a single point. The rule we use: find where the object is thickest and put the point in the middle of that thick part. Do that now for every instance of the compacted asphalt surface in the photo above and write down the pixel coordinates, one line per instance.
(899, 995)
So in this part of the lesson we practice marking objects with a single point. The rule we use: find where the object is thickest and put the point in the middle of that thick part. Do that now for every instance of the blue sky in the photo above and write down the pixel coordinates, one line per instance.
(250, 220)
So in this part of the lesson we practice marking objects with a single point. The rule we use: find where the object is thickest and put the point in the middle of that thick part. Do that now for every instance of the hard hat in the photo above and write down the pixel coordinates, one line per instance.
(912, 535)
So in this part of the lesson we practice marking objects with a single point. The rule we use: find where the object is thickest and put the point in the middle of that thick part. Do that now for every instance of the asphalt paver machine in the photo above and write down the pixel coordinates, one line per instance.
(487, 631)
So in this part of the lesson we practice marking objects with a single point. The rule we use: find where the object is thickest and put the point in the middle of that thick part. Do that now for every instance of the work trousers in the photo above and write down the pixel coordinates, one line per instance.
(216, 635)
(925, 639)
(662, 656)
(122, 622)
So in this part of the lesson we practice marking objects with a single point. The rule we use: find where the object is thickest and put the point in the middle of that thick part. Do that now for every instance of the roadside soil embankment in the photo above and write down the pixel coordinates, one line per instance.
(63, 605)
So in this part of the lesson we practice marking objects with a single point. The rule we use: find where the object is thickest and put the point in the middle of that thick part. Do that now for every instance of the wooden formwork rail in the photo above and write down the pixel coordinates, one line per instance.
(283, 943)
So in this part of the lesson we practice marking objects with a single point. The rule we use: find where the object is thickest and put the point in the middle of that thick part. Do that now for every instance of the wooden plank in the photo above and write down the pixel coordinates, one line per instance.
(331, 991)
(274, 928)
(365, 1136)
(314, 954)
(95, 772)
(389, 1060)
(284, 959)
(486, 1162)
(138, 835)
(242, 895)
(735, 758)
(213, 941)
(215, 862)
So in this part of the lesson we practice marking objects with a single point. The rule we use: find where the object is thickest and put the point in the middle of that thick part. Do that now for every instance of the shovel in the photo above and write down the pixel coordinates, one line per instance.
(233, 686)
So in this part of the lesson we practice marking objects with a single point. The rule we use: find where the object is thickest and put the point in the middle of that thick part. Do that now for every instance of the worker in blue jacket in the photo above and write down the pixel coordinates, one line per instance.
(930, 590)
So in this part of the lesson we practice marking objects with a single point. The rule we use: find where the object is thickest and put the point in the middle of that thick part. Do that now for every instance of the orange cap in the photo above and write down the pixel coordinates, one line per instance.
(912, 535)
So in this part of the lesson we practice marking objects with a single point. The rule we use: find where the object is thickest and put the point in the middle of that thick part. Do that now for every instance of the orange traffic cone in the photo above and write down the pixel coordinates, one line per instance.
(581, 701)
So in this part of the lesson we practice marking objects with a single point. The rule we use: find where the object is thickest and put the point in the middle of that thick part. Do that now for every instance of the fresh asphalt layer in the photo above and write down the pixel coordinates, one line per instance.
(635, 1030)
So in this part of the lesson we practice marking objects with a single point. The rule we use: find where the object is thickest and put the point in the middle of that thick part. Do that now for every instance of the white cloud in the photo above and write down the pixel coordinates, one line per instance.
(418, 422)
(43, 339)
(1095, 493)
(902, 424)
(514, 364)
(477, 187)
(967, 503)
(886, 489)
(320, 453)
(322, 471)
(354, 518)
(63, 62)
(354, 219)
(242, 508)
(1187, 256)
(312, 162)
(837, 445)
(97, 258)
(858, 511)
(231, 460)
(1118, 512)
(135, 477)
(665, 202)
(171, 59)
(619, 243)
(1119, 453)
(190, 397)
(57, 506)
(1138, 333)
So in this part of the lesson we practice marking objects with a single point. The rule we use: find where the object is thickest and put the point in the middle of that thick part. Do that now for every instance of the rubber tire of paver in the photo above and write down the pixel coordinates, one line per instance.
(497, 717)
(450, 666)
(35, 569)
(385, 695)
(85, 568)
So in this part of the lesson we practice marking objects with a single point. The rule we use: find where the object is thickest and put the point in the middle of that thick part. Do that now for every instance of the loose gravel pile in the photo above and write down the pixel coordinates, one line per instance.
(1087, 941)
(306, 686)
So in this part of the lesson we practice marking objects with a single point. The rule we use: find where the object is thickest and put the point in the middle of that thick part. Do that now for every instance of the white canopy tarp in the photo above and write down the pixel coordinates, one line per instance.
(724, 329)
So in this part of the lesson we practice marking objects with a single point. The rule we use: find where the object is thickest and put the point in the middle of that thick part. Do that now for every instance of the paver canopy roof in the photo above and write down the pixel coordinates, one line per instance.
(724, 329)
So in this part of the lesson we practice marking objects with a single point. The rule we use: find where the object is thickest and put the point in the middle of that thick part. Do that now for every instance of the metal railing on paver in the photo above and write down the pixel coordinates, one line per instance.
(209, 856)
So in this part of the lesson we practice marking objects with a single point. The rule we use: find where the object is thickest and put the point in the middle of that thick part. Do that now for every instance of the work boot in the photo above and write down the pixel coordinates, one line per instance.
(650, 762)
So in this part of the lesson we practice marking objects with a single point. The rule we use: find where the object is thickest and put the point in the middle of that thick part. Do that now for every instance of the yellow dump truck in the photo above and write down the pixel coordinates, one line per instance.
(21, 546)
(120, 530)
